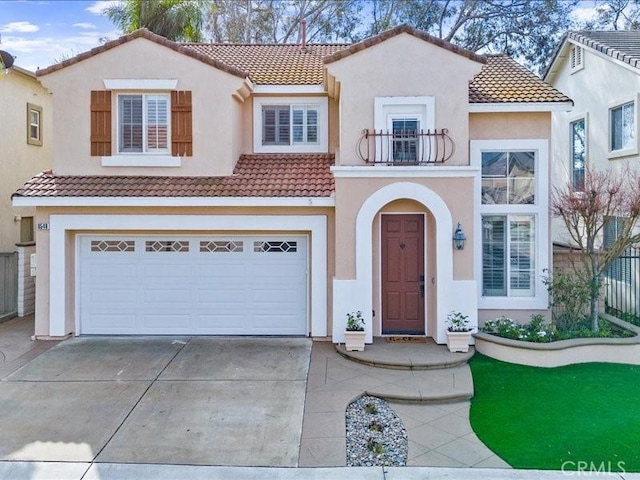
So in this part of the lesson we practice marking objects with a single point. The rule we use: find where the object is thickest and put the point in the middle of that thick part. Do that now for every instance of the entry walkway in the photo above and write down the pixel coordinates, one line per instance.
(432, 403)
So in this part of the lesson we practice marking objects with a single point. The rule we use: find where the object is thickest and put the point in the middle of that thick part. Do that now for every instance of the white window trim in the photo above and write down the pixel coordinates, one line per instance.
(37, 141)
(540, 210)
(164, 152)
(623, 152)
(394, 106)
(322, 146)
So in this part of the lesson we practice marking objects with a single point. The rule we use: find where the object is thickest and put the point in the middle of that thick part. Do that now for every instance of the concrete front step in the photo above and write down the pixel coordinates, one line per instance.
(411, 355)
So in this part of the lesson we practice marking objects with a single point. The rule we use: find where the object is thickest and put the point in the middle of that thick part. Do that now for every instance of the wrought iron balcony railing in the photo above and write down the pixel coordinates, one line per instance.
(405, 147)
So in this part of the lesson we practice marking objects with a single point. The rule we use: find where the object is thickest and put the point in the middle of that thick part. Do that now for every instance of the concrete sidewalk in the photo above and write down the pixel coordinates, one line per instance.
(113, 471)
(439, 434)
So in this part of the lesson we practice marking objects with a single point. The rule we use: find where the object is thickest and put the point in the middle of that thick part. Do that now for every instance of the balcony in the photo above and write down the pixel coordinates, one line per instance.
(405, 147)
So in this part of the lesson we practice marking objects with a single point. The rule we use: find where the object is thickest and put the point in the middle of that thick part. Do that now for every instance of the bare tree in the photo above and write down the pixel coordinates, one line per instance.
(585, 213)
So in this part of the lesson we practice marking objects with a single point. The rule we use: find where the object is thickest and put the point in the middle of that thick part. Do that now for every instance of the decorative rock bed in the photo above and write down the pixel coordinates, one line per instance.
(564, 352)
(375, 434)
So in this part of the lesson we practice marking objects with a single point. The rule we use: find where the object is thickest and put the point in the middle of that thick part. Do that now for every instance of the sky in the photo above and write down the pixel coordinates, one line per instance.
(40, 33)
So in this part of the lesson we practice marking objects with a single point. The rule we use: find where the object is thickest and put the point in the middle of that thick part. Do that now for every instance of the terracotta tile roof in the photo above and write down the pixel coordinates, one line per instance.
(269, 175)
(143, 33)
(500, 80)
(377, 39)
(503, 80)
(272, 64)
(623, 45)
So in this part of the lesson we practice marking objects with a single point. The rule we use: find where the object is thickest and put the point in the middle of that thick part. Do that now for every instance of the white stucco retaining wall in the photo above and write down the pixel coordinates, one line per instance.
(564, 352)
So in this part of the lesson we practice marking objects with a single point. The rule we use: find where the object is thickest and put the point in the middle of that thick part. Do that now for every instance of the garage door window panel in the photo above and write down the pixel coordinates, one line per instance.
(223, 246)
(112, 246)
(167, 246)
(275, 246)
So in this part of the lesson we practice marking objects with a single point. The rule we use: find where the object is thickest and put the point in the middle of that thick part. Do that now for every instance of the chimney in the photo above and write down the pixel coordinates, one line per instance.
(303, 44)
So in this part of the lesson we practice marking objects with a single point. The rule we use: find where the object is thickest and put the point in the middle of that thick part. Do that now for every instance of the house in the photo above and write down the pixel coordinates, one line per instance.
(26, 149)
(600, 71)
(272, 189)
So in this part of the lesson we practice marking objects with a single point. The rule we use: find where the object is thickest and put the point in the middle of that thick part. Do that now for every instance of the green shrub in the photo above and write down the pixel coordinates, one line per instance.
(569, 297)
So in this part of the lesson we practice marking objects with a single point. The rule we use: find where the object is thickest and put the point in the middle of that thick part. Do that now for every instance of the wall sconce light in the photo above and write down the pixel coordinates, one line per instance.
(459, 238)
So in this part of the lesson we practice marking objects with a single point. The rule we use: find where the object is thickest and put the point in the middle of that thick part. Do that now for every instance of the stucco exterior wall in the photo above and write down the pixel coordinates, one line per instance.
(507, 125)
(20, 160)
(457, 193)
(380, 71)
(603, 83)
(216, 137)
(43, 254)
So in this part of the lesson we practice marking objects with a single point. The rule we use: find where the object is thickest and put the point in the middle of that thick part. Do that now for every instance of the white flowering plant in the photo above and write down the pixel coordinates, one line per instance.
(457, 322)
(355, 322)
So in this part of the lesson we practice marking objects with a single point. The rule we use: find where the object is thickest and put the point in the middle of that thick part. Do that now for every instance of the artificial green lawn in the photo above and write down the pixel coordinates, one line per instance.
(543, 417)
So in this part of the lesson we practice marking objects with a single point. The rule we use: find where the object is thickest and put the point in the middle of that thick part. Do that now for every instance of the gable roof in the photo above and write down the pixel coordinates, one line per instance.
(622, 45)
(503, 80)
(265, 175)
(378, 39)
(146, 34)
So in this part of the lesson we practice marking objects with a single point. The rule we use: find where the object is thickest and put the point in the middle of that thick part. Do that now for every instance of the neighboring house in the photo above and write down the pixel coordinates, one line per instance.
(25, 150)
(600, 71)
(230, 189)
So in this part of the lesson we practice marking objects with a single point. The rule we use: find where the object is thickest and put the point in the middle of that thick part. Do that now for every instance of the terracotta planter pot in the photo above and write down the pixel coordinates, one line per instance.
(458, 341)
(354, 341)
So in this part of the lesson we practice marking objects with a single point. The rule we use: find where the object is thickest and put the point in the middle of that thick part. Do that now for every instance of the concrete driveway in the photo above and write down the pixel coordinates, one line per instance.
(171, 400)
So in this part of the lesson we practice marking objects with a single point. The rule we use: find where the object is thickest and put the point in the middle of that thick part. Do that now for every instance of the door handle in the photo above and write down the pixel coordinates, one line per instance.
(421, 284)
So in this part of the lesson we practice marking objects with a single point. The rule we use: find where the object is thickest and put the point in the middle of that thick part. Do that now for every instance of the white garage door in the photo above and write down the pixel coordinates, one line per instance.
(196, 285)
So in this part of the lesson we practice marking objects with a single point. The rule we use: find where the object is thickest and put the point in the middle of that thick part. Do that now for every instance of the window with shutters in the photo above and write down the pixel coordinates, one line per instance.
(150, 129)
(290, 125)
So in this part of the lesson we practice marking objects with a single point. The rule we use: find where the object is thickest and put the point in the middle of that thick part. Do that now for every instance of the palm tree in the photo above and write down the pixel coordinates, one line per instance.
(177, 20)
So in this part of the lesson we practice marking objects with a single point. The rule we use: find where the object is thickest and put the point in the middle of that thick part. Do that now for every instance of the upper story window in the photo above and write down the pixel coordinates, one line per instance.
(401, 122)
(623, 127)
(577, 58)
(34, 124)
(578, 153)
(508, 178)
(143, 123)
(292, 124)
(134, 125)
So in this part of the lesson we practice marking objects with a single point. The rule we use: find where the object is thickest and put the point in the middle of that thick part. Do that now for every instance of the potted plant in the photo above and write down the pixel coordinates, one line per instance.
(354, 333)
(458, 332)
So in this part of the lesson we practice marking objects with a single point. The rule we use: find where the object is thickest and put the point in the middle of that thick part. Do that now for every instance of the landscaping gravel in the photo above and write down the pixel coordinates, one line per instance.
(375, 434)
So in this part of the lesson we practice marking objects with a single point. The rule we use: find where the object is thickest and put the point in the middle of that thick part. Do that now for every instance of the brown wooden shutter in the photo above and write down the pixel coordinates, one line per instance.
(100, 123)
(181, 127)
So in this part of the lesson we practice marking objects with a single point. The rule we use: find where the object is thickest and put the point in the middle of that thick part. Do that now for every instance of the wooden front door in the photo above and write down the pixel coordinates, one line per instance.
(403, 274)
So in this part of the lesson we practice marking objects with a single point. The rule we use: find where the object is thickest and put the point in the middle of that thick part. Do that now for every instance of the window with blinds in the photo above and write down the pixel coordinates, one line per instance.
(290, 125)
(508, 255)
(143, 123)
